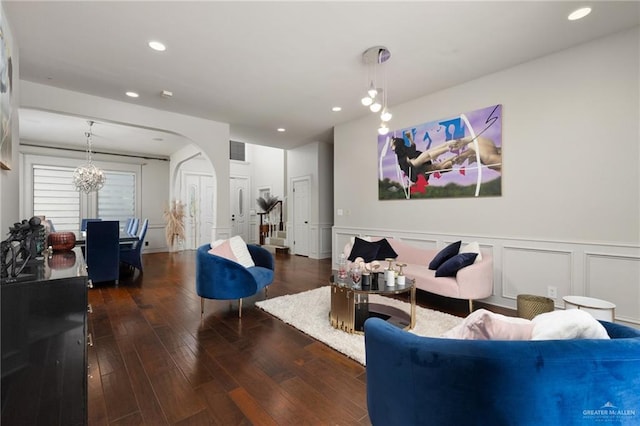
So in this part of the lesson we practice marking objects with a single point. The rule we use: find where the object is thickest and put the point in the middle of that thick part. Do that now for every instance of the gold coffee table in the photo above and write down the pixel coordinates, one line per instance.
(350, 307)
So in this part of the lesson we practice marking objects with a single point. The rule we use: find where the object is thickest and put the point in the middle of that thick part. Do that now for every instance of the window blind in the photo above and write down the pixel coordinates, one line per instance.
(117, 198)
(55, 197)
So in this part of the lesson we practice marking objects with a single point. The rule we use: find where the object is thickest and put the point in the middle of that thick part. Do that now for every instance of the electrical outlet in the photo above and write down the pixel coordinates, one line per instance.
(146, 243)
(552, 292)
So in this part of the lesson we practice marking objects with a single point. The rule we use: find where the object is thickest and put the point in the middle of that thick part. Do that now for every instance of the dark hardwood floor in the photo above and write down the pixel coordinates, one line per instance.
(154, 361)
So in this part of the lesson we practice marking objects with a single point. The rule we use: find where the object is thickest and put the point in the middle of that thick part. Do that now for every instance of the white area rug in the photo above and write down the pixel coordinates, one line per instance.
(309, 312)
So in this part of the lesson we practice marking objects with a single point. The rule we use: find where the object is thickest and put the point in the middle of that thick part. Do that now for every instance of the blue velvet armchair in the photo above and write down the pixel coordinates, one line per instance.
(223, 279)
(413, 380)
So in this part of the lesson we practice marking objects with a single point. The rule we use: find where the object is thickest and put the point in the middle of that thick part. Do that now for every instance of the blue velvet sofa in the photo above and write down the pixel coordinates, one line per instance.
(224, 279)
(413, 380)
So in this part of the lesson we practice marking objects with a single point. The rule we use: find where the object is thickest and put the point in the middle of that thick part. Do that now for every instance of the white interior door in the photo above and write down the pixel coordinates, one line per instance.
(239, 206)
(198, 193)
(207, 191)
(191, 197)
(301, 216)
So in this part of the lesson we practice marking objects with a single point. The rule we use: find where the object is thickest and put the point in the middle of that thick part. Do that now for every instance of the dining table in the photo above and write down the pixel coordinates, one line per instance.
(124, 238)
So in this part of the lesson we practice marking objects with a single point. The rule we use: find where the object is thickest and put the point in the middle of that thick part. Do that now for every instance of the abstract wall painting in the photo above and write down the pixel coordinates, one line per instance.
(459, 156)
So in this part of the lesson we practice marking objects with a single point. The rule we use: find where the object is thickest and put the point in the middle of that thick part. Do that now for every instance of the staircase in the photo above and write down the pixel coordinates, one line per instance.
(271, 229)
(277, 243)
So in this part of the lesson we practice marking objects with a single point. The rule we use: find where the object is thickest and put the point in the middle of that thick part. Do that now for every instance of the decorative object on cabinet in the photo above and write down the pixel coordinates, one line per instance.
(25, 243)
(62, 241)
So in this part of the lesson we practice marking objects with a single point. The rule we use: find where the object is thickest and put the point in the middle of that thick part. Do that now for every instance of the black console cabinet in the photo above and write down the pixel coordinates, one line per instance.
(44, 343)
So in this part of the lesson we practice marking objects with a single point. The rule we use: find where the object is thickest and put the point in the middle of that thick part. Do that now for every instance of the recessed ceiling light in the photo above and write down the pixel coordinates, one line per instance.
(579, 13)
(132, 94)
(336, 109)
(156, 45)
(281, 129)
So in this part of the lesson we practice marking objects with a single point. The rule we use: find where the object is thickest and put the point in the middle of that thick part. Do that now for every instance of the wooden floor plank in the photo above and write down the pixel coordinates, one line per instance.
(174, 393)
(252, 409)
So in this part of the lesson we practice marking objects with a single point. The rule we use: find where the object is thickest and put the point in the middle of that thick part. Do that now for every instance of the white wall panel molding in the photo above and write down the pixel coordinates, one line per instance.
(532, 270)
(615, 277)
(530, 266)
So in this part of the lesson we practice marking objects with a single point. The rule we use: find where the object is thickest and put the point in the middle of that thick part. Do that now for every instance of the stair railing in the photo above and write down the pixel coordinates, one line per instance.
(271, 222)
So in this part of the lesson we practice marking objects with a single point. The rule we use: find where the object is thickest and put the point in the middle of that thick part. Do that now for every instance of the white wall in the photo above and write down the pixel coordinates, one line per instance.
(9, 187)
(570, 208)
(314, 161)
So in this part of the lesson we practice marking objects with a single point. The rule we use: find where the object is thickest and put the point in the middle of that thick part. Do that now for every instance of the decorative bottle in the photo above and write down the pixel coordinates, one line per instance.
(342, 269)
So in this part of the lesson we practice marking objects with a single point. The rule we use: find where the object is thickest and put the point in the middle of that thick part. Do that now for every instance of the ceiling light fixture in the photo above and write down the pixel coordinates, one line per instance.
(579, 13)
(376, 98)
(88, 178)
(336, 109)
(156, 45)
(132, 94)
(281, 129)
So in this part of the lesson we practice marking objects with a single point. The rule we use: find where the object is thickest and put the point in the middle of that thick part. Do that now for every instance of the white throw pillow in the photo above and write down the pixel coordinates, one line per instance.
(473, 247)
(239, 249)
(567, 324)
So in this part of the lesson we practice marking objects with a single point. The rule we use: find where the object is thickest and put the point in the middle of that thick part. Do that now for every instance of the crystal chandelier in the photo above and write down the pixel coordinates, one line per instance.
(376, 97)
(88, 178)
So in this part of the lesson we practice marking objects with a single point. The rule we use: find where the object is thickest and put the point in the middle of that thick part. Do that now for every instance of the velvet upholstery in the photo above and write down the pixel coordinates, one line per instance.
(131, 255)
(224, 279)
(83, 223)
(133, 226)
(102, 250)
(414, 380)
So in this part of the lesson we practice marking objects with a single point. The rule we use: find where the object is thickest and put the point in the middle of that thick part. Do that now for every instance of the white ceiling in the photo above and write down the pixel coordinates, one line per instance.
(263, 65)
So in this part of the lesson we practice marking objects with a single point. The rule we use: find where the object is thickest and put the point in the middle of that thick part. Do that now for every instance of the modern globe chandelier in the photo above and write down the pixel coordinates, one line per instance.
(88, 178)
(376, 98)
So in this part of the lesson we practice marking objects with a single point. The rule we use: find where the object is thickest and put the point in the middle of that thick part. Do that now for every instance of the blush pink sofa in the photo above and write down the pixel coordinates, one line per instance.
(471, 282)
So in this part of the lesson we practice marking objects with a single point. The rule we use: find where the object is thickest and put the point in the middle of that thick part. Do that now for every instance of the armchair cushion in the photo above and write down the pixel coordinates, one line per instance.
(366, 250)
(451, 267)
(233, 249)
(385, 251)
(444, 255)
(473, 247)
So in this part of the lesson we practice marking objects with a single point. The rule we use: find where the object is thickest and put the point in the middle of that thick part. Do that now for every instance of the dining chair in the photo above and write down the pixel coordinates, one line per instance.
(133, 228)
(127, 225)
(103, 250)
(83, 224)
(132, 255)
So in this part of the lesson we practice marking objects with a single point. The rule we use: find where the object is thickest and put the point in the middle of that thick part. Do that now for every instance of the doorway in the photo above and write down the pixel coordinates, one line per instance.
(239, 193)
(300, 187)
(198, 190)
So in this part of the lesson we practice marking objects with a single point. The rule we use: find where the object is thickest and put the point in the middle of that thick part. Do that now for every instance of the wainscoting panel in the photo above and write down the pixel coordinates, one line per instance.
(320, 241)
(615, 278)
(532, 271)
(605, 271)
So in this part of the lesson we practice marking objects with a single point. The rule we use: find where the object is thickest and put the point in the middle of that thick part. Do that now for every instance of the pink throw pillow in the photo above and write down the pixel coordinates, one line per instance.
(486, 325)
(222, 248)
